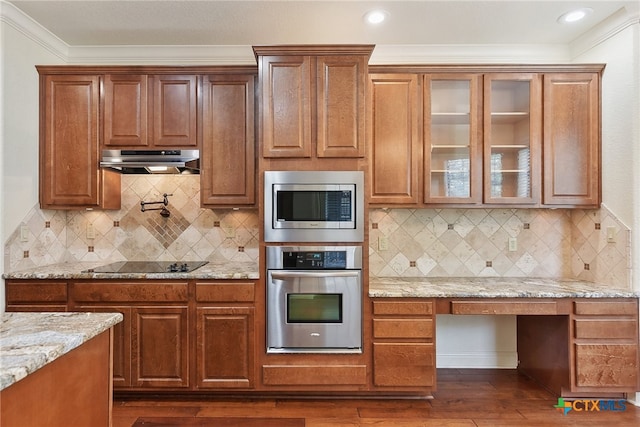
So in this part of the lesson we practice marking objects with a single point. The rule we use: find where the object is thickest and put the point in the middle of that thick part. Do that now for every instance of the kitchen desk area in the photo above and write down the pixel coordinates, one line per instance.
(63, 359)
(575, 338)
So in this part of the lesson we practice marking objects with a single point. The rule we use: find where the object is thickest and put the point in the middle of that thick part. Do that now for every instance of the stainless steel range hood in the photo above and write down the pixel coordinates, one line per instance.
(151, 161)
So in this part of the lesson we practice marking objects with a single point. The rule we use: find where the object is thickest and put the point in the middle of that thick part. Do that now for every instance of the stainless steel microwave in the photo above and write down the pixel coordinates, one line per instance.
(314, 206)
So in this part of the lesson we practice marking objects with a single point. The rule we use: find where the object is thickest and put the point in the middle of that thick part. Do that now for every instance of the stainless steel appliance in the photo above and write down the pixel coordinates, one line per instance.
(314, 299)
(148, 267)
(151, 161)
(314, 206)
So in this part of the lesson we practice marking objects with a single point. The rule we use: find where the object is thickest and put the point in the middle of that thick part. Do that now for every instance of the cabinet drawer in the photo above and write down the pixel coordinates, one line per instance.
(424, 308)
(225, 292)
(403, 328)
(403, 365)
(616, 308)
(33, 292)
(326, 375)
(503, 307)
(129, 292)
(607, 365)
(606, 328)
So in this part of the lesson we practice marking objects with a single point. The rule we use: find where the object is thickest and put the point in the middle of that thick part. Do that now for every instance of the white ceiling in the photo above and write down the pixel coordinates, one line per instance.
(262, 22)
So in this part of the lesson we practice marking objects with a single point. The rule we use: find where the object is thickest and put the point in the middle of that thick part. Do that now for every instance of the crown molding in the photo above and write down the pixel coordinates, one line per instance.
(616, 23)
(162, 55)
(16, 19)
(477, 54)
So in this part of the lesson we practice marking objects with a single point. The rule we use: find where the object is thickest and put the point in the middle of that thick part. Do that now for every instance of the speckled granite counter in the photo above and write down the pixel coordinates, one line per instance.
(491, 287)
(28, 341)
(74, 270)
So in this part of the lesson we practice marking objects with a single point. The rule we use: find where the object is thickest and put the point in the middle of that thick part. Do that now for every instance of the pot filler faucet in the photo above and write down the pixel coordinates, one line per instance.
(163, 210)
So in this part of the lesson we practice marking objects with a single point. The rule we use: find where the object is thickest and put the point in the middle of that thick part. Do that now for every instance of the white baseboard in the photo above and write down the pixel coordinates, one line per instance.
(478, 360)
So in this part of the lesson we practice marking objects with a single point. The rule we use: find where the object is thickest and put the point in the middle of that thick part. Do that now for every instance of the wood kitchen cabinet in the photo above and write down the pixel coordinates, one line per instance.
(228, 173)
(512, 138)
(69, 145)
(313, 100)
(36, 295)
(396, 150)
(403, 344)
(605, 346)
(151, 348)
(150, 111)
(483, 139)
(452, 138)
(225, 335)
(572, 139)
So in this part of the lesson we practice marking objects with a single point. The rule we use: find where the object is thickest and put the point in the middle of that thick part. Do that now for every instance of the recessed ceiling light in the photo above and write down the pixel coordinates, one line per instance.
(574, 15)
(375, 16)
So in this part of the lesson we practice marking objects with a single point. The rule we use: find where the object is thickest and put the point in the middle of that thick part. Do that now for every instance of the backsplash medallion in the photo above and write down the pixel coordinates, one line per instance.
(189, 233)
(555, 243)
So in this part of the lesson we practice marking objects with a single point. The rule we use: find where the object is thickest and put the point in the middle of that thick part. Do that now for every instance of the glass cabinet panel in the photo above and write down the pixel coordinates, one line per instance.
(451, 139)
(511, 138)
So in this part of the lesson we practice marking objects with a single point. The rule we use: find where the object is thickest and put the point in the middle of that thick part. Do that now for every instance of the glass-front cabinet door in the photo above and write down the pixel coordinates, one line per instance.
(512, 140)
(452, 134)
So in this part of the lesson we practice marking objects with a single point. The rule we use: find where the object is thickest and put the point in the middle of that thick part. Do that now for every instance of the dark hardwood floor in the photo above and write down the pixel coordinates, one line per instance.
(465, 397)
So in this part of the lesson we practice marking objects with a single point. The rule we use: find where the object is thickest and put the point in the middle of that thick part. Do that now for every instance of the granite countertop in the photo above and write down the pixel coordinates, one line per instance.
(28, 341)
(74, 270)
(491, 287)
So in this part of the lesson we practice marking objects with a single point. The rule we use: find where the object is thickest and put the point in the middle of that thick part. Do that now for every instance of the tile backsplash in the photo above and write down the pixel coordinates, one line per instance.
(558, 243)
(188, 233)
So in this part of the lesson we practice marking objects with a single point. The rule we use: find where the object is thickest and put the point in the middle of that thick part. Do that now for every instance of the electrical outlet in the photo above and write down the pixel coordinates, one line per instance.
(513, 244)
(611, 234)
(91, 232)
(229, 232)
(383, 243)
(24, 233)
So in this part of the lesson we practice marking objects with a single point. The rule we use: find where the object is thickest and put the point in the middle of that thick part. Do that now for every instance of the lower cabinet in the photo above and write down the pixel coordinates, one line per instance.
(151, 345)
(36, 295)
(605, 346)
(160, 347)
(403, 344)
(225, 347)
(225, 343)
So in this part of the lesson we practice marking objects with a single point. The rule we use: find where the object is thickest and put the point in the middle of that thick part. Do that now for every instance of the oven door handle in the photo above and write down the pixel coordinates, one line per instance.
(313, 274)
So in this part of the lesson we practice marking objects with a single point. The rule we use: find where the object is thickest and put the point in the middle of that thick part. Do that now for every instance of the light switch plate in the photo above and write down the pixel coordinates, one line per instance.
(611, 234)
(383, 243)
(513, 244)
(91, 231)
(24, 233)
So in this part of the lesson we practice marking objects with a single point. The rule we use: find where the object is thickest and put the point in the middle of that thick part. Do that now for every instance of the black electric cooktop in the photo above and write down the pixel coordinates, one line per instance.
(148, 267)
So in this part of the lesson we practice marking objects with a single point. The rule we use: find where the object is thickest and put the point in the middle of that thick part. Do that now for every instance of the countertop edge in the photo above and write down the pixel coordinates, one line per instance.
(492, 287)
(30, 341)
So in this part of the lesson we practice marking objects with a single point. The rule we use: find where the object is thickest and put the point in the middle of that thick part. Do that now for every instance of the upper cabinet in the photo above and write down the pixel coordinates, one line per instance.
(512, 141)
(393, 120)
(227, 160)
(69, 145)
(147, 111)
(313, 100)
(452, 138)
(482, 139)
(572, 139)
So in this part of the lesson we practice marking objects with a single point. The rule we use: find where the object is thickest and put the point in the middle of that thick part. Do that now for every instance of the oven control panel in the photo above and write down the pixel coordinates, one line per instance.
(314, 260)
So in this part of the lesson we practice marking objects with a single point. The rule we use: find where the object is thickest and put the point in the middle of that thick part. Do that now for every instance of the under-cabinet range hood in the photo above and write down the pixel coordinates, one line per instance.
(151, 161)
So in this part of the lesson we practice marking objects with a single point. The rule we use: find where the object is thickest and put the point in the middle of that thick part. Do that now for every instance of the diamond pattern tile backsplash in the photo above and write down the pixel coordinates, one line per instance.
(188, 233)
(556, 243)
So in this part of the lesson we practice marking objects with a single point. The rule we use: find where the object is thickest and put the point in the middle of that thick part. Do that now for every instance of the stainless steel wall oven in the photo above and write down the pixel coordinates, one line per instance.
(314, 299)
